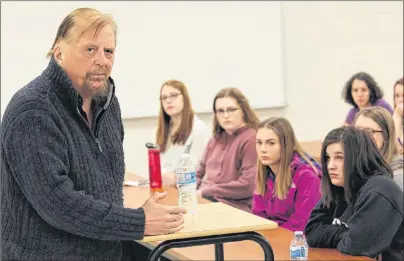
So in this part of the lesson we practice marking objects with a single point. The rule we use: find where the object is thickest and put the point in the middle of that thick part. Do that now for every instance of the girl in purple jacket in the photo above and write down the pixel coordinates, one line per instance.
(288, 184)
(362, 91)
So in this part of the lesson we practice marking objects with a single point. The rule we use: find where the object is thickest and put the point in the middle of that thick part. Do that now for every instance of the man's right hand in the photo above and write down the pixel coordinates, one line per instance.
(160, 219)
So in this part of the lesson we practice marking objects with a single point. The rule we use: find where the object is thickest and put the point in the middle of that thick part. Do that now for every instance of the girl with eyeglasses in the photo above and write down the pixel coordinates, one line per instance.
(179, 129)
(228, 167)
(288, 182)
(379, 124)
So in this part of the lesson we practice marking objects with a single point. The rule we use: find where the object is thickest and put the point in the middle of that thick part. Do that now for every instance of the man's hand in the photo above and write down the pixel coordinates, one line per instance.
(160, 219)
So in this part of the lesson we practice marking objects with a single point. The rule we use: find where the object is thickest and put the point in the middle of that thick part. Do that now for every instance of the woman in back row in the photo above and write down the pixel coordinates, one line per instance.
(362, 91)
(361, 211)
(288, 184)
(398, 116)
(228, 168)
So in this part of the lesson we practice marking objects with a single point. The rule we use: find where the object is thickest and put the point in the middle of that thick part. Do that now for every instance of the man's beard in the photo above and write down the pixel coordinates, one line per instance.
(97, 94)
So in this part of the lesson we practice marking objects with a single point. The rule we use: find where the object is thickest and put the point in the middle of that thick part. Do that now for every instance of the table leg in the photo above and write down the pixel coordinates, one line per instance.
(217, 240)
(219, 254)
(266, 247)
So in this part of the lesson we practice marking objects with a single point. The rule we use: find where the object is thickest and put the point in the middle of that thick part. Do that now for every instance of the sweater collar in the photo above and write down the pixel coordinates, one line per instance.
(235, 133)
(63, 86)
(224, 138)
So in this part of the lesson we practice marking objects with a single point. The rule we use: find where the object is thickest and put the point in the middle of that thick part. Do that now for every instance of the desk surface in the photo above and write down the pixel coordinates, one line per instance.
(216, 219)
(279, 238)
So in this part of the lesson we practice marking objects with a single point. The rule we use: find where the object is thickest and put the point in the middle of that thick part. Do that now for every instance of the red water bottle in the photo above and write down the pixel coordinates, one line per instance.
(155, 180)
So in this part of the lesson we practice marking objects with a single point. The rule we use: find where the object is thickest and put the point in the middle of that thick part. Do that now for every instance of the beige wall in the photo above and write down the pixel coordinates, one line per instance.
(325, 43)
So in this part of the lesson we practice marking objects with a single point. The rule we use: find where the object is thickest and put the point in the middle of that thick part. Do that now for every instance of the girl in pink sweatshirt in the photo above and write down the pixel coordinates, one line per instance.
(288, 182)
(228, 168)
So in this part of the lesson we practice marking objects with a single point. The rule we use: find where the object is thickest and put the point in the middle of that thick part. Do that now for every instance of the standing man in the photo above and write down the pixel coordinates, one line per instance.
(62, 160)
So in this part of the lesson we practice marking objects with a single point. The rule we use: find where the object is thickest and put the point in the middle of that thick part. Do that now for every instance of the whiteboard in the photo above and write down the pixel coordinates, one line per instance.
(207, 45)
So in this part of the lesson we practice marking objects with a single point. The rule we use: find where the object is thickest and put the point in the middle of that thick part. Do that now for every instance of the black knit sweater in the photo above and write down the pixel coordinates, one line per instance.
(61, 180)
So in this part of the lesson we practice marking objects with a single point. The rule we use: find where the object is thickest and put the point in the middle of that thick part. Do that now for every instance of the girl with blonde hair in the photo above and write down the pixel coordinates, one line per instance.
(379, 124)
(288, 184)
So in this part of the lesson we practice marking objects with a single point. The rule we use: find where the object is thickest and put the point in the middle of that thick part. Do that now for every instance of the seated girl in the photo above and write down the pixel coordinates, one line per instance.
(361, 211)
(379, 123)
(362, 91)
(288, 184)
(228, 167)
(398, 114)
(179, 129)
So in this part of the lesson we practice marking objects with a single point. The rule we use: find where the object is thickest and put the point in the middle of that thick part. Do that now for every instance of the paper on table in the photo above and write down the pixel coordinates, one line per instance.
(136, 183)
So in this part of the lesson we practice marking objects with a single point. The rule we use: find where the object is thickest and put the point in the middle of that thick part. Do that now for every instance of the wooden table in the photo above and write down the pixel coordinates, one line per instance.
(313, 148)
(279, 238)
(216, 219)
(213, 225)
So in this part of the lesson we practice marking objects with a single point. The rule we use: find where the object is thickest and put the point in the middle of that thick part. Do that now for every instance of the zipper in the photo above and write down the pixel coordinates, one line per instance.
(97, 127)
(97, 122)
(99, 144)
(94, 133)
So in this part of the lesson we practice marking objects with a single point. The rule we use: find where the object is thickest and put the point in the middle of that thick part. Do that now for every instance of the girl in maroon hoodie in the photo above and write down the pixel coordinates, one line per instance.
(288, 185)
(228, 168)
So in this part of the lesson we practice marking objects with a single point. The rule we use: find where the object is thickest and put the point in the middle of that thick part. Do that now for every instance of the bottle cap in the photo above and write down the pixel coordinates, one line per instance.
(298, 233)
(151, 145)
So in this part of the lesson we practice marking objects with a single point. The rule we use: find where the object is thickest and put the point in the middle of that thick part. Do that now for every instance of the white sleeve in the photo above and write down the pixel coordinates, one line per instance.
(200, 138)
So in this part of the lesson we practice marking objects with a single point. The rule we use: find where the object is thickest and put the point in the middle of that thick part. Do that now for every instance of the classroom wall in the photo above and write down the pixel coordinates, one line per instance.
(325, 43)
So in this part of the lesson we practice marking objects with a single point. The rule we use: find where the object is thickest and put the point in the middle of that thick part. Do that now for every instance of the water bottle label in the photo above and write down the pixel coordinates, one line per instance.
(298, 252)
(185, 178)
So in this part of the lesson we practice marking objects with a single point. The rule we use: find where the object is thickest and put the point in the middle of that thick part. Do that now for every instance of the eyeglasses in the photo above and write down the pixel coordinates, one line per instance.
(229, 111)
(370, 131)
(171, 96)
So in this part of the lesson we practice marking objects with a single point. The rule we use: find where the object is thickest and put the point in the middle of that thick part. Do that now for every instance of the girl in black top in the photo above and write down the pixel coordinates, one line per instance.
(361, 211)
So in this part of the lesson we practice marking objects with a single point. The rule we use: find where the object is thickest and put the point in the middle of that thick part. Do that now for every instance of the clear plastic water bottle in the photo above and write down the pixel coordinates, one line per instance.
(186, 184)
(299, 249)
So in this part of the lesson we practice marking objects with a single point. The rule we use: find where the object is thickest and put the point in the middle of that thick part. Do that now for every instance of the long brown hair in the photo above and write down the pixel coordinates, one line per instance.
(384, 119)
(187, 119)
(289, 145)
(250, 118)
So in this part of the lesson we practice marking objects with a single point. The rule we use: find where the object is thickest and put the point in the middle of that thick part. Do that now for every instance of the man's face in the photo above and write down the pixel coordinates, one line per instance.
(88, 61)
